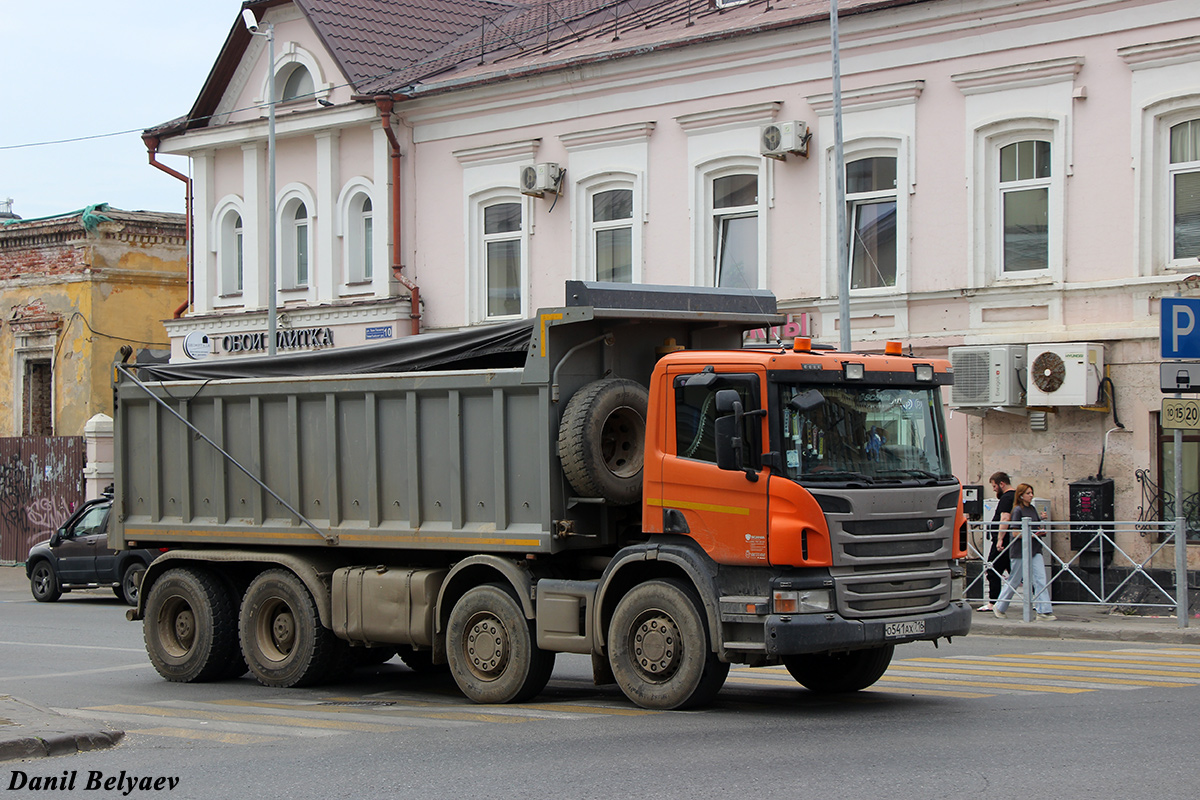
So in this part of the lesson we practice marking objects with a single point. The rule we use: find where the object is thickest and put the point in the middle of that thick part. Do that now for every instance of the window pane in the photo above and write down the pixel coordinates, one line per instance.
(368, 246)
(299, 83)
(301, 212)
(1185, 142)
(614, 255)
(734, 191)
(503, 278)
(612, 205)
(1187, 215)
(1026, 230)
(1008, 163)
(737, 252)
(302, 254)
(502, 218)
(873, 245)
(1191, 480)
(871, 175)
(239, 282)
(1023, 161)
(366, 206)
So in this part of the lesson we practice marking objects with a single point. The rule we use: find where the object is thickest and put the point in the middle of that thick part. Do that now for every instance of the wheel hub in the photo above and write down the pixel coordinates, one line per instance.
(283, 631)
(487, 647)
(185, 627)
(656, 646)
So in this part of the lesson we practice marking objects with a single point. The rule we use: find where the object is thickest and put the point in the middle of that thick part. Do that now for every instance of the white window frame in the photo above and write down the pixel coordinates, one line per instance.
(479, 241)
(286, 238)
(1020, 185)
(1182, 168)
(987, 211)
(223, 246)
(588, 189)
(706, 233)
(357, 277)
(857, 150)
(290, 56)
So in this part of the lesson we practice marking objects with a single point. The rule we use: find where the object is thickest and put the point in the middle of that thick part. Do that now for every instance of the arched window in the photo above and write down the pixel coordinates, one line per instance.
(1024, 206)
(612, 235)
(1185, 189)
(871, 203)
(502, 256)
(360, 226)
(295, 238)
(231, 255)
(734, 207)
(296, 82)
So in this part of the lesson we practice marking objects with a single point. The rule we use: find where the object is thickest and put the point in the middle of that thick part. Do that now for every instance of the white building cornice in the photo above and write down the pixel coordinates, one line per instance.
(618, 134)
(1161, 54)
(725, 118)
(1033, 73)
(872, 97)
(524, 150)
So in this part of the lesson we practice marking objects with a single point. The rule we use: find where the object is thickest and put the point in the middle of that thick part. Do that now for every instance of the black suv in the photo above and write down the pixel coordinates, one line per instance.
(77, 556)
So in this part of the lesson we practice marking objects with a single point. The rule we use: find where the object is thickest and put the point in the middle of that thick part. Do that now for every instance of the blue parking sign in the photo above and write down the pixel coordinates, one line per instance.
(1180, 328)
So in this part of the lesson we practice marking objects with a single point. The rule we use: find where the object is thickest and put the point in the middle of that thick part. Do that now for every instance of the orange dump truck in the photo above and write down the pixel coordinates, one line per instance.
(617, 477)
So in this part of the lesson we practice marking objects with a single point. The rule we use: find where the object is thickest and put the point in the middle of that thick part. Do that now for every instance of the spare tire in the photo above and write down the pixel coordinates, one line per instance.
(602, 440)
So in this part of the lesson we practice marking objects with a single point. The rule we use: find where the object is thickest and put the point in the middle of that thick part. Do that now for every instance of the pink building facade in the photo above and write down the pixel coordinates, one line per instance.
(1020, 174)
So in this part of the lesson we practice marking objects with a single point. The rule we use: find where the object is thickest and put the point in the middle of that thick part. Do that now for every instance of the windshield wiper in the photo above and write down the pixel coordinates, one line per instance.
(916, 473)
(837, 475)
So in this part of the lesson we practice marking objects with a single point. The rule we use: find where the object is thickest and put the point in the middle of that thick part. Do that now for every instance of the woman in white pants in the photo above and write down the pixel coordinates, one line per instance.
(1023, 509)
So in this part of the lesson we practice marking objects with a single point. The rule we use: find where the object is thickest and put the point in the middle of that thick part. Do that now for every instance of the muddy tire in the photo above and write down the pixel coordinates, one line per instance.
(659, 649)
(282, 638)
(601, 440)
(190, 626)
(839, 673)
(43, 583)
(492, 648)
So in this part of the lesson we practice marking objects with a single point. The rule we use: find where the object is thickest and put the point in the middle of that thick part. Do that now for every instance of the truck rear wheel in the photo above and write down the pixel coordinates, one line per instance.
(282, 638)
(837, 673)
(492, 648)
(190, 626)
(659, 649)
(601, 440)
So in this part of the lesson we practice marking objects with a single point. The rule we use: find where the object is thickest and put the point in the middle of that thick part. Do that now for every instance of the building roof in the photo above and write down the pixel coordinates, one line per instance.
(413, 48)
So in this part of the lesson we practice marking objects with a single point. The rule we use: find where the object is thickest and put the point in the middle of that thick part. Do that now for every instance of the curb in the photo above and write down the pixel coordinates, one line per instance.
(1084, 630)
(28, 730)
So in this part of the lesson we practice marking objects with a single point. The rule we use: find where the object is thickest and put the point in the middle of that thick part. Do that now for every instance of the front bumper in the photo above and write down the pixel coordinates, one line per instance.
(792, 634)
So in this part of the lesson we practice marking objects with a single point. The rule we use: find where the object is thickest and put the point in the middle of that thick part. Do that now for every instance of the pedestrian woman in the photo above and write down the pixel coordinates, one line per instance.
(1023, 510)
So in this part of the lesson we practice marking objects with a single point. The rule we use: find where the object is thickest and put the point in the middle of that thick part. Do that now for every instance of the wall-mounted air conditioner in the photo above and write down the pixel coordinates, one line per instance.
(777, 139)
(987, 376)
(1064, 374)
(537, 179)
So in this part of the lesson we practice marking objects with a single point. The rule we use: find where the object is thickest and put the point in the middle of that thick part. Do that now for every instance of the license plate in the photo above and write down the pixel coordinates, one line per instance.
(896, 630)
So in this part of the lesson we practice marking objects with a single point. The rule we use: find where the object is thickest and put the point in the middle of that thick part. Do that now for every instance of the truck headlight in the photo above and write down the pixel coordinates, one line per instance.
(801, 601)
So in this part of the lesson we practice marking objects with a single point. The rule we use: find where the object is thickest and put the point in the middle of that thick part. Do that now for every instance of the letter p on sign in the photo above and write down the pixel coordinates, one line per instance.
(1180, 337)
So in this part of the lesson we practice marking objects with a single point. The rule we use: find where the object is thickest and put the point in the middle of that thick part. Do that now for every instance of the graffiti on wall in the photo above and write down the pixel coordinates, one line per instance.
(41, 481)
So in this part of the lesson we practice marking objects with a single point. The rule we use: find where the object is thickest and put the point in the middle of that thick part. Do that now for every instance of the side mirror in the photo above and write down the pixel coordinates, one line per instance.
(729, 443)
(56, 538)
(807, 400)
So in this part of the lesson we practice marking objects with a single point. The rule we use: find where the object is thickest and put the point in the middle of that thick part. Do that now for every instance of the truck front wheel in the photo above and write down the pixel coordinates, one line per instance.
(190, 626)
(492, 648)
(659, 649)
(282, 637)
(837, 673)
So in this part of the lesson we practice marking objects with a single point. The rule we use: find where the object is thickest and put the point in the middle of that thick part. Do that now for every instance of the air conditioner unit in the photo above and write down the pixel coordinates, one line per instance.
(777, 139)
(1064, 374)
(537, 179)
(988, 376)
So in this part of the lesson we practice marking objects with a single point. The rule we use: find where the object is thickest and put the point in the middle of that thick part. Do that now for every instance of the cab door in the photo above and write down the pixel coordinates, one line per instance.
(723, 510)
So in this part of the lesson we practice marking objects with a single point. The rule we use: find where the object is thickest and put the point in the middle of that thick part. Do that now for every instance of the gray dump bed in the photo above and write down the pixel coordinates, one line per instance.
(410, 446)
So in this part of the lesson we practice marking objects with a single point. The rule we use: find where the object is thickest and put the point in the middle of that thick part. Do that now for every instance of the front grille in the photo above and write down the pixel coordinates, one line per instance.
(884, 594)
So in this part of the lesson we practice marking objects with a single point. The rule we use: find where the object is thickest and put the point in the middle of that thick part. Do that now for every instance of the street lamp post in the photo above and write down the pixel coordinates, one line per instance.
(839, 168)
(268, 31)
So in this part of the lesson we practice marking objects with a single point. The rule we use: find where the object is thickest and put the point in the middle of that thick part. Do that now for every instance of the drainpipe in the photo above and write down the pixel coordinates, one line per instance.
(384, 103)
(152, 143)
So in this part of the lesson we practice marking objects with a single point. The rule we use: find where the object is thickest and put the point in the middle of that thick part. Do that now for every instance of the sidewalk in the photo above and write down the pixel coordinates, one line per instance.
(1088, 622)
(30, 731)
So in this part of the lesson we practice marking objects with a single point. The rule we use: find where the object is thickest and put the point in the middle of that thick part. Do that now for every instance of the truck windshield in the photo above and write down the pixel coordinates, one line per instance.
(863, 434)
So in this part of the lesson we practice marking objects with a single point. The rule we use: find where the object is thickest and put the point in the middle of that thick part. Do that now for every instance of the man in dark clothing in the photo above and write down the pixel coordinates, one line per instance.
(997, 537)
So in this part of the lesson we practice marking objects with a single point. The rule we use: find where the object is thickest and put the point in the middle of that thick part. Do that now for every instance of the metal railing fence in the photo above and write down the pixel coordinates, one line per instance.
(1101, 572)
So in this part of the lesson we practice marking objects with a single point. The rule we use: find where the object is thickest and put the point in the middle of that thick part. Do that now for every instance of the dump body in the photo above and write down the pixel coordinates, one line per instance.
(446, 459)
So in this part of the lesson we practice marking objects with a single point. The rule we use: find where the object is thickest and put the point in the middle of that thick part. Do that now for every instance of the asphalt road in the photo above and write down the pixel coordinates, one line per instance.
(984, 716)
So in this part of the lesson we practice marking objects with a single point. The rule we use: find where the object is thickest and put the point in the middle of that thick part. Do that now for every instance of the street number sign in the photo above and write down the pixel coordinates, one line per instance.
(1180, 414)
